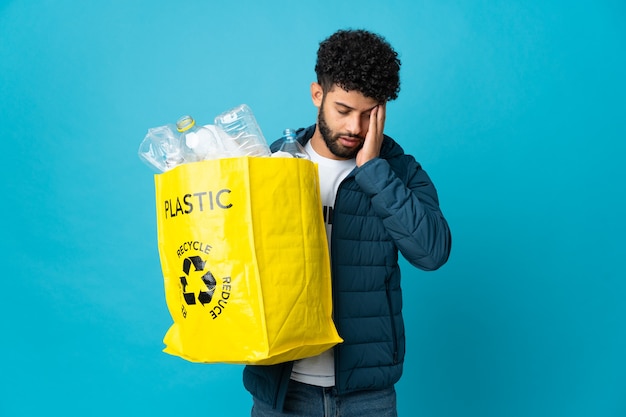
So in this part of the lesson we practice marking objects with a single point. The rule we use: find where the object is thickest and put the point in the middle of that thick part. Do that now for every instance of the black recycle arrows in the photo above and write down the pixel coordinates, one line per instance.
(204, 297)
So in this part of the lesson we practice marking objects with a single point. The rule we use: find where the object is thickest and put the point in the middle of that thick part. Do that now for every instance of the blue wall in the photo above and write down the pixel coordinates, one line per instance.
(516, 109)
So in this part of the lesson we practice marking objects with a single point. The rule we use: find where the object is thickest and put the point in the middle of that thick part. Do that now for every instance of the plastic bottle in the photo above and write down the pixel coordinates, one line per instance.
(161, 148)
(291, 146)
(239, 125)
(198, 142)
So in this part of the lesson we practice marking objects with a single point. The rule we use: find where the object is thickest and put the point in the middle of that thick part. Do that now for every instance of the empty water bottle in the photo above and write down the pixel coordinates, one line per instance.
(161, 148)
(239, 125)
(198, 142)
(291, 146)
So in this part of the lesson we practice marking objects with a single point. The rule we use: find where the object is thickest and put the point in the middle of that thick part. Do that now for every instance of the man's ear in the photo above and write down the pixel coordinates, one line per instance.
(317, 94)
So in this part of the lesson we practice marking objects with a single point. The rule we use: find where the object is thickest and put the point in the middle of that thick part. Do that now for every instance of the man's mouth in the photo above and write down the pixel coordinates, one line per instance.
(349, 141)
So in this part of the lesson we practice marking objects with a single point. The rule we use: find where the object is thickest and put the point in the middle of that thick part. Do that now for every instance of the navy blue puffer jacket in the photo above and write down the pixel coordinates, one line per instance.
(385, 207)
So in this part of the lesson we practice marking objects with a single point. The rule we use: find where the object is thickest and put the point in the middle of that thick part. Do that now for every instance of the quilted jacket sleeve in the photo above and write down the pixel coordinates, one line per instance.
(409, 209)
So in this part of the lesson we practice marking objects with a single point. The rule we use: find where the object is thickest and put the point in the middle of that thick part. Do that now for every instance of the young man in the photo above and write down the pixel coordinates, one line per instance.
(377, 202)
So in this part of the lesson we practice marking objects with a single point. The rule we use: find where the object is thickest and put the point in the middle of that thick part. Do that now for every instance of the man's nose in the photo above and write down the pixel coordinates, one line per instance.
(354, 125)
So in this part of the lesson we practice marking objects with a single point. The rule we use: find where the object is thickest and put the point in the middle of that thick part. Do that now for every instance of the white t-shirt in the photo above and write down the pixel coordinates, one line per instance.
(320, 370)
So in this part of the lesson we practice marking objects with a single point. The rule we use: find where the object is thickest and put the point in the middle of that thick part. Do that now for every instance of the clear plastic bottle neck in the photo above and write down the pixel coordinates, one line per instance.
(185, 123)
(291, 146)
(290, 135)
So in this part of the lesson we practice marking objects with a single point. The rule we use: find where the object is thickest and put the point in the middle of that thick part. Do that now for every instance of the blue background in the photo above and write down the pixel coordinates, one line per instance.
(517, 110)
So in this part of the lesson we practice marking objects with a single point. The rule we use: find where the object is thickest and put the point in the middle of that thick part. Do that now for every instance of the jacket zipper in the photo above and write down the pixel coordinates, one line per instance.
(333, 285)
(333, 292)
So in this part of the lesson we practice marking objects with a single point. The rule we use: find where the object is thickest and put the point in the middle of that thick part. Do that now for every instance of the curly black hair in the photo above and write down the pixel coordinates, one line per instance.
(359, 60)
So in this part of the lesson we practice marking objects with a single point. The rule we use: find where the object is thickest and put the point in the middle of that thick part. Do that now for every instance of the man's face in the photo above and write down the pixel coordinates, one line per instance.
(343, 121)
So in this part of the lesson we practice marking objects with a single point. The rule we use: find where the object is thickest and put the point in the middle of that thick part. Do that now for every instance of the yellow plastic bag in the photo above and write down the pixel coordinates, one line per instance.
(245, 261)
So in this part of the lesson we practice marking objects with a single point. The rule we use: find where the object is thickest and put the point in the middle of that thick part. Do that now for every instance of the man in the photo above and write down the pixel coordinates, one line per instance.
(377, 201)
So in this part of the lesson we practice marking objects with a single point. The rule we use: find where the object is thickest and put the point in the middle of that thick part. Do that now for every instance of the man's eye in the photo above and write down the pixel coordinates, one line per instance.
(344, 112)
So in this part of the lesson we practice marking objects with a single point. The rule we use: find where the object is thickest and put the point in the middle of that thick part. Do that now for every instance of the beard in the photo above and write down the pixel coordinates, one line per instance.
(331, 139)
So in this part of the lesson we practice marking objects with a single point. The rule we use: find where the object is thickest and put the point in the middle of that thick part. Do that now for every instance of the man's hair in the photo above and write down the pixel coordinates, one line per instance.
(359, 60)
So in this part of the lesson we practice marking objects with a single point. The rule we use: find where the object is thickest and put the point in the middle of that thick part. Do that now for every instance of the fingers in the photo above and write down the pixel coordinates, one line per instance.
(374, 118)
(381, 114)
(377, 120)
(374, 136)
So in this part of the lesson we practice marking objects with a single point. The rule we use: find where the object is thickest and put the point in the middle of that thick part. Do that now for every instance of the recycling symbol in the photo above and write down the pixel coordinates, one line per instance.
(204, 297)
